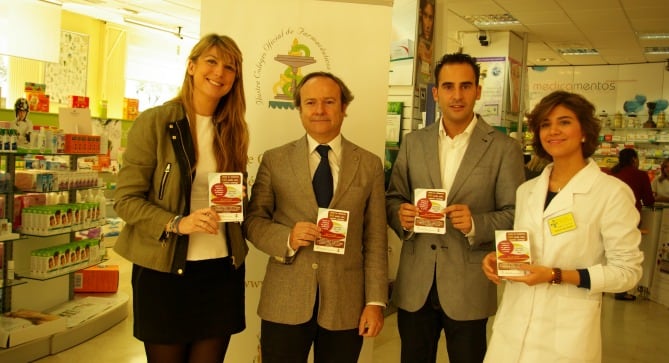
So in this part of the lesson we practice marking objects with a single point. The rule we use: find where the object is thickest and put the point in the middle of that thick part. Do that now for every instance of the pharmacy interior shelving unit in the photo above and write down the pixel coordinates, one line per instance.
(45, 292)
(652, 145)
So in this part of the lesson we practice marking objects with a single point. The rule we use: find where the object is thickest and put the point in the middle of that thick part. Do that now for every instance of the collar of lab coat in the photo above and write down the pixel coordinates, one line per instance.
(581, 183)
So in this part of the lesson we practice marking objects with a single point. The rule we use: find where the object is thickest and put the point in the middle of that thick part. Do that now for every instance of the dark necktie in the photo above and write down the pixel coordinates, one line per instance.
(322, 181)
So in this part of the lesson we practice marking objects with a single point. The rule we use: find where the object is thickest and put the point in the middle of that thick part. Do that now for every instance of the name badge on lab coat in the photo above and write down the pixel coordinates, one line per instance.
(562, 223)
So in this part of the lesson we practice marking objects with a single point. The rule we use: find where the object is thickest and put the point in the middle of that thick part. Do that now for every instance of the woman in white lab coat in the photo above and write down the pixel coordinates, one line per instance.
(582, 225)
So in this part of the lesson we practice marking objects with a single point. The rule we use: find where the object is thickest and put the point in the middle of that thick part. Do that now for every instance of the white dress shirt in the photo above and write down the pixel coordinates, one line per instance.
(451, 152)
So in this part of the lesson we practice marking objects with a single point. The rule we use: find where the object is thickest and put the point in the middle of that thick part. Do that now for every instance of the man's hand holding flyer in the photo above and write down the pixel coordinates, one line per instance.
(430, 204)
(334, 225)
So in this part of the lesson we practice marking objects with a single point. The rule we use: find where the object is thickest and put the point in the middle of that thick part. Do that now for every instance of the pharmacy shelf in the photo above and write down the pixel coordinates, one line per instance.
(27, 352)
(45, 346)
(11, 283)
(65, 230)
(55, 274)
(9, 236)
(91, 327)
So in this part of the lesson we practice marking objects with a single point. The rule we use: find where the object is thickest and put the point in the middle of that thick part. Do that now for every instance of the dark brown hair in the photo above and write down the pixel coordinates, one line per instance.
(585, 114)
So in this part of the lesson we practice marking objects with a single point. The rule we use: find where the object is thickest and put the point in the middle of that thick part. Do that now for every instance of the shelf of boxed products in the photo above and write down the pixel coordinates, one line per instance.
(50, 191)
(48, 140)
(652, 145)
(59, 231)
(640, 135)
(55, 261)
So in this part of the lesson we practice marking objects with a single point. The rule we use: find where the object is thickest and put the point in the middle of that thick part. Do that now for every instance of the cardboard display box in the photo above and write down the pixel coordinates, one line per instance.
(38, 101)
(79, 101)
(21, 326)
(101, 278)
(130, 108)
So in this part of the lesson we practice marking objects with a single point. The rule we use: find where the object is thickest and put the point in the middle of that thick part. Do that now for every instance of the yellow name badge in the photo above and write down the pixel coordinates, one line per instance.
(561, 224)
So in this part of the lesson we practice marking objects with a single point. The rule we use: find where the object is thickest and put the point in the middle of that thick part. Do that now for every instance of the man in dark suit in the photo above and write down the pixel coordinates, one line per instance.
(440, 284)
(330, 300)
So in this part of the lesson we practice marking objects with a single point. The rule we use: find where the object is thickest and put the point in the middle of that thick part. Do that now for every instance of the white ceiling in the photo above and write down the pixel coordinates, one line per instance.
(610, 26)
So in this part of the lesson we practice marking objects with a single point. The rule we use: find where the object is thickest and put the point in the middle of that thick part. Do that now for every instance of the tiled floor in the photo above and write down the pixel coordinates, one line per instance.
(633, 332)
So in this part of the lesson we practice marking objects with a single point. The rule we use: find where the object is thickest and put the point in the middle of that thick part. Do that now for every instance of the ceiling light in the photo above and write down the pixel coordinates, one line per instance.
(147, 25)
(54, 2)
(177, 33)
(493, 19)
(654, 36)
(128, 11)
(656, 50)
(578, 51)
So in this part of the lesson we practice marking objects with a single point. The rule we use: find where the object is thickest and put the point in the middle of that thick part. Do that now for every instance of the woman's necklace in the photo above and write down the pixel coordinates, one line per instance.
(559, 180)
(556, 186)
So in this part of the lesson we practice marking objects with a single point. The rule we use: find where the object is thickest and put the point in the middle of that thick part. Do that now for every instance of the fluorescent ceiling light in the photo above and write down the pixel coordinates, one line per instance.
(95, 12)
(578, 51)
(654, 36)
(656, 50)
(177, 33)
(128, 11)
(147, 25)
(493, 19)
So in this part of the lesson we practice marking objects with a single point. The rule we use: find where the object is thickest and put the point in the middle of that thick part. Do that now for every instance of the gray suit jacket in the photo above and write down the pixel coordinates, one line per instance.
(489, 174)
(281, 196)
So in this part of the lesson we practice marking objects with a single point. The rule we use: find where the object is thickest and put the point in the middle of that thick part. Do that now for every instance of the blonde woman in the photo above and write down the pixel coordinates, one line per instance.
(188, 269)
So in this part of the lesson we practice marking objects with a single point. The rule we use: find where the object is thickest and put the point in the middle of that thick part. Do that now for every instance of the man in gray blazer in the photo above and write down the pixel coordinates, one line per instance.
(440, 284)
(331, 300)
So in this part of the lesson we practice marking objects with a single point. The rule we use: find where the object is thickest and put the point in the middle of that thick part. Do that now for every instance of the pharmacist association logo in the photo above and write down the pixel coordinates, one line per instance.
(286, 57)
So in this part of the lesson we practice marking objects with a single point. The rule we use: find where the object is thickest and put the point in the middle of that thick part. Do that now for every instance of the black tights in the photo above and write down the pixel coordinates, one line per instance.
(210, 350)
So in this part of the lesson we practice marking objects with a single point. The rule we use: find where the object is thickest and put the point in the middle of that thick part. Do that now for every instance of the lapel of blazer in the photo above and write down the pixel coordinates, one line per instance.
(429, 142)
(348, 169)
(479, 142)
(299, 163)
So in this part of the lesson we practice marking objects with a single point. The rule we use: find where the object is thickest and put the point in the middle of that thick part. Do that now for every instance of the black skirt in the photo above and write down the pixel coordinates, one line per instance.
(207, 301)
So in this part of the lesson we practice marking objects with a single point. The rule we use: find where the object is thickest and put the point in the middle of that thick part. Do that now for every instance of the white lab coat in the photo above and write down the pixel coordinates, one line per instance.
(561, 323)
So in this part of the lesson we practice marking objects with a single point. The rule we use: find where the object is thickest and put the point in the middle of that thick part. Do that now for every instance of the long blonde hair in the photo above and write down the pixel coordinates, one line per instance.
(231, 136)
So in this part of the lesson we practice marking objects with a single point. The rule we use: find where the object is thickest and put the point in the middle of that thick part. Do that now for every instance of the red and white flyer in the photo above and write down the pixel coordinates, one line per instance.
(513, 250)
(430, 218)
(226, 196)
(333, 224)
